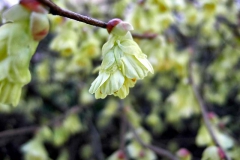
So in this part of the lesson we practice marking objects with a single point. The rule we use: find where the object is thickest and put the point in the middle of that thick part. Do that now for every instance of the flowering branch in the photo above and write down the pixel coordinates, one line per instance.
(203, 108)
(56, 10)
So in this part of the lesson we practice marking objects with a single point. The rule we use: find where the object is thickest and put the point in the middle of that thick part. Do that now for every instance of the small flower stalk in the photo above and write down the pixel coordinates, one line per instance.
(123, 63)
(25, 24)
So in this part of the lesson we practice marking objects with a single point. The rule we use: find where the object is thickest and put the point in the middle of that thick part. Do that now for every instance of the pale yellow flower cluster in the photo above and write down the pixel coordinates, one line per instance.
(20, 34)
(123, 64)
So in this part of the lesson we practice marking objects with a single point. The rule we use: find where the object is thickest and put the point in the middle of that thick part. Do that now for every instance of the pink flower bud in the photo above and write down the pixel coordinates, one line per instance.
(183, 152)
(211, 115)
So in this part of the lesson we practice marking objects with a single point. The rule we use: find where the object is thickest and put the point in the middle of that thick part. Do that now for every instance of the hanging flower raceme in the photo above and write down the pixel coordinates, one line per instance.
(123, 63)
(25, 24)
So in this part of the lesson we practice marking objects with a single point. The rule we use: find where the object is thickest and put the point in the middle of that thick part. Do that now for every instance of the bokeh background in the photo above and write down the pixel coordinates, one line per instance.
(59, 119)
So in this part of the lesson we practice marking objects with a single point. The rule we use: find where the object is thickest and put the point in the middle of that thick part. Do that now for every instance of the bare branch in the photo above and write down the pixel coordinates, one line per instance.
(123, 129)
(19, 131)
(31, 129)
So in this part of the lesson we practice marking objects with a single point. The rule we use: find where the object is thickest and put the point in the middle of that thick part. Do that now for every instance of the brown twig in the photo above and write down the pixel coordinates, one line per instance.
(159, 151)
(95, 141)
(31, 129)
(56, 10)
(203, 107)
(123, 129)
(19, 131)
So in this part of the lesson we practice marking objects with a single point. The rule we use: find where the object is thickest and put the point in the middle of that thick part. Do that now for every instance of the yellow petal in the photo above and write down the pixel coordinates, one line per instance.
(102, 77)
(133, 68)
(113, 84)
(146, 64)
(108, 60)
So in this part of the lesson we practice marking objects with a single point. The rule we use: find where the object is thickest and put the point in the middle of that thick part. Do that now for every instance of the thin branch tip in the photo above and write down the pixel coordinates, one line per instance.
(56, 10)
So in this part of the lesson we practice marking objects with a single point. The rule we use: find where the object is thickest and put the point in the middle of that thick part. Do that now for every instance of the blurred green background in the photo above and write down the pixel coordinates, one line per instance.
(59, 119)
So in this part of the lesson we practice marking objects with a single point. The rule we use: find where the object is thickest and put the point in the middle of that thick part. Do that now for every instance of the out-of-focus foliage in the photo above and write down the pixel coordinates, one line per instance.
(162, 107)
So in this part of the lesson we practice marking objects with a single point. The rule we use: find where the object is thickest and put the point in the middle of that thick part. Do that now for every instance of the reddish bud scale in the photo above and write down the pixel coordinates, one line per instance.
(121, 155)
(40, 35)
(112, 23)
(32, 5)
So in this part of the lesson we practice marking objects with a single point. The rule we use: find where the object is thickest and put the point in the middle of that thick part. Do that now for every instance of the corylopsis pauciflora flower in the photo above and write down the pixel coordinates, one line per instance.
(123, 62)
(25, 24)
